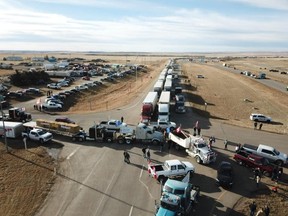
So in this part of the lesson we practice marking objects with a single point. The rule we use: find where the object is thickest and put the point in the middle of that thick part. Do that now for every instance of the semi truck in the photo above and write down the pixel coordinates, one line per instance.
(149, 106)
(12, 129)
(178, 198)
(141, 133)
(158, 87)
(168, 85)
(17, 114)
(164, 106)
(195, 147)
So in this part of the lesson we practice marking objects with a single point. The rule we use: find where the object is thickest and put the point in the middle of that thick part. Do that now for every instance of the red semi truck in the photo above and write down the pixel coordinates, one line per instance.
(149, 106)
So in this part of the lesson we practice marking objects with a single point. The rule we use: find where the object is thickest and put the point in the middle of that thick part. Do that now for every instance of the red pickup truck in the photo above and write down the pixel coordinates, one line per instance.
(254, 161)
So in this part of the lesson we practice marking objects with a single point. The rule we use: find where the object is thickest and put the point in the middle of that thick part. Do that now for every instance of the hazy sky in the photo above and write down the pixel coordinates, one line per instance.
(144, 25)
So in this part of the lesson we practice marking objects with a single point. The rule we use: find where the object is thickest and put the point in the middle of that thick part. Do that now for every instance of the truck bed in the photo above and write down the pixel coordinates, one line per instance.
(248, 146)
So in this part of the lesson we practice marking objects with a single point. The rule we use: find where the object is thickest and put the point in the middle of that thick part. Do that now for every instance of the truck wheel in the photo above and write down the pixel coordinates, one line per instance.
(80, 139)
(155, 142)
(73, 138)
(198, 160)
(128, 141)
(120, 140)
(279, 162)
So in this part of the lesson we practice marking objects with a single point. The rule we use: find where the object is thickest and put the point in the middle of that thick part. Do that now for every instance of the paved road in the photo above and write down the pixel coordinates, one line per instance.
(94, 180)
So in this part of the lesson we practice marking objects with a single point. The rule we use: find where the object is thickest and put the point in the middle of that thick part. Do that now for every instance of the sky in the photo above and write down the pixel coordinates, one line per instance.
(144, 25)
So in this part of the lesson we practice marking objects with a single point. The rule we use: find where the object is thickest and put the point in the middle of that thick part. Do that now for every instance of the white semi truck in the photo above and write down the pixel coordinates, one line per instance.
(141, 133)
(195, 146)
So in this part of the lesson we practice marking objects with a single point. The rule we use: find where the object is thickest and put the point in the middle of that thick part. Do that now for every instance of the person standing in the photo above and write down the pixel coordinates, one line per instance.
(25, 142)
(126, 157)
(148, 155)
(267, 210)
(258, 178)
(122, 119)
(144, 151)
(225, 143)
(260, 126)
(255, 125)
(252, 208)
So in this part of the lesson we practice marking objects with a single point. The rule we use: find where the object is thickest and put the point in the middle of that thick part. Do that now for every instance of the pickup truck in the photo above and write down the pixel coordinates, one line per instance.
(112, 124)
(170, 169)
(38, 135)
(164, 125)
(254, 161)
(268, 152)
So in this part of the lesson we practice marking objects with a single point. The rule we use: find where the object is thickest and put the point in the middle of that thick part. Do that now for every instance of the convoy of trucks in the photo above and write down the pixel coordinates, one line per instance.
(196, 147)
(149, 106)
(178, 198)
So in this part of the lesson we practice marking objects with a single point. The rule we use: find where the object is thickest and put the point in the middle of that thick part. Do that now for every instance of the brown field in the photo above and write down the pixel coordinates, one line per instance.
(22, 196)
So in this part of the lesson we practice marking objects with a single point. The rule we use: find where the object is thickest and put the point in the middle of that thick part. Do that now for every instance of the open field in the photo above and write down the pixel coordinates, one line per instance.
(223, 91)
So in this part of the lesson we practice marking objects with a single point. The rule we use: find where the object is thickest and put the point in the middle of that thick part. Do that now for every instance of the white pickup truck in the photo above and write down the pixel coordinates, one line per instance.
(268, 152)
(170, 169)
(163, 125)
(112, 125)
(38, 135)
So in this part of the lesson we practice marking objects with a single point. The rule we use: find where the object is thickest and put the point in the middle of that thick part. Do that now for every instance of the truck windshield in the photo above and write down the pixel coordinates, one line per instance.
(41, 132)
(169, 206)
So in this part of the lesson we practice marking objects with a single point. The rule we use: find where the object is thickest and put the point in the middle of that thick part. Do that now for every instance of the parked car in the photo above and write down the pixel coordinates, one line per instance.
(260, 117)
(200, 76)
(64, 119)
(53, 86)
(225, 174)
(51, 105)
(86, 78)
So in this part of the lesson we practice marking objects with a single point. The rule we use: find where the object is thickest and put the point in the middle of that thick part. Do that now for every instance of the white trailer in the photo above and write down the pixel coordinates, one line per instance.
(13, 129)
(158, 87)
(165, 97)
(168, 85)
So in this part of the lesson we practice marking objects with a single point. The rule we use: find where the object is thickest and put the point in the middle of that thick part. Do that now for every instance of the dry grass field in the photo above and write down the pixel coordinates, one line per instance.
(223, 91)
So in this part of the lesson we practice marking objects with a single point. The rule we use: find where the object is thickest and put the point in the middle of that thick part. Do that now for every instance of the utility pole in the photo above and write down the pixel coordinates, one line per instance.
(4, 130)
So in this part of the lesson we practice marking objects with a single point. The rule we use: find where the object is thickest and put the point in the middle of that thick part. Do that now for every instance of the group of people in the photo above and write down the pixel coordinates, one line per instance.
(261, 212)
(145, 151)
(260, 125)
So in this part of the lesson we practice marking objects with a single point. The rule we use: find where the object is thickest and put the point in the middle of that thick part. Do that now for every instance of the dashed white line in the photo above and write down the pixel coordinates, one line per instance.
(131, 209)
(70, 155)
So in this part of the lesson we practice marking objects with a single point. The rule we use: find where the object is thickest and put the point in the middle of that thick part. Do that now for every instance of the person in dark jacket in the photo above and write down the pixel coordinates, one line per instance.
(126, 157)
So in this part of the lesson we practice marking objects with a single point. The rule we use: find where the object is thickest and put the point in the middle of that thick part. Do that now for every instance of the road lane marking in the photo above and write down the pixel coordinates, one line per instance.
(147, 188)
(220, 196)
(105, 194)
(70, 155)
(131, 209)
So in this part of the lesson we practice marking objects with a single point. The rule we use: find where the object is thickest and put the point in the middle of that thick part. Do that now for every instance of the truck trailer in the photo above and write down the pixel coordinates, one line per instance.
(149, 106)
(13, 129)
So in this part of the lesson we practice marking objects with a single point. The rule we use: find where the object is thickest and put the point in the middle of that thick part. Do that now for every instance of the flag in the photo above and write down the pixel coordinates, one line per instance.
(178, 129)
